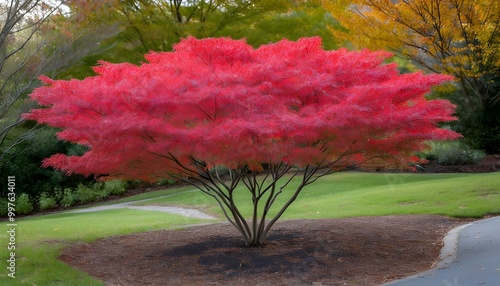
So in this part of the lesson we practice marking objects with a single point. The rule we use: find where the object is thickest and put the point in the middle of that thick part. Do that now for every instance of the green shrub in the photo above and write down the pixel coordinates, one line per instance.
(23, 204)
(46, 202)
(453, 153)
(68, 198)
(25, 160)
(87, 194)
(479, 123)
(219, 170)
(3, 207)
(84, 194)
(114, 187)
(166, 182)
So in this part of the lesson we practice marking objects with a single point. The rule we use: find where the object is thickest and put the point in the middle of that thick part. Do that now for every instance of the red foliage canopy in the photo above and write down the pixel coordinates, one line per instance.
(223, 103)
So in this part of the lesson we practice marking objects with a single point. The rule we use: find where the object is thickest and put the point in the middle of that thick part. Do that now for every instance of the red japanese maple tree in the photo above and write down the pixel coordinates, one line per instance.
(284, 108)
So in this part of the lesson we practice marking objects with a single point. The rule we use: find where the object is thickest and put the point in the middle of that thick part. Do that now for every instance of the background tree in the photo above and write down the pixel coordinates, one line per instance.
(24, 162)
(157, 25)
(35, 39)
(266, 115)
(29, 47)
(299, 19)
(160, 24)
(19, 22)
(456, 37)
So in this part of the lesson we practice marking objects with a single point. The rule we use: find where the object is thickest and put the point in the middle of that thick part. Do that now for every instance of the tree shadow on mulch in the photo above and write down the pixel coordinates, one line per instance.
(350, 251)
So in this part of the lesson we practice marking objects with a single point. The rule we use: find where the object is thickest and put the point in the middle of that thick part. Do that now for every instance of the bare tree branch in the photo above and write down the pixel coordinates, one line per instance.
(25, 55)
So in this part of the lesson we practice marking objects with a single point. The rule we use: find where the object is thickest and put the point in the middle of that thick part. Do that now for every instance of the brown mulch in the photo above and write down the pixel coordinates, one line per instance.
(348, 251)
(351, 251)
(490, 163)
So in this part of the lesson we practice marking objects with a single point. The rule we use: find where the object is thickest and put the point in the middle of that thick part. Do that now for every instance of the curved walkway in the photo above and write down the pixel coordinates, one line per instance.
(470, 256)
(192, 213)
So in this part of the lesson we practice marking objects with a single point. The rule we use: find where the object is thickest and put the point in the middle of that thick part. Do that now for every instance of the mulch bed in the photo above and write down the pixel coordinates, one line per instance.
(490, 163)
(350, 251)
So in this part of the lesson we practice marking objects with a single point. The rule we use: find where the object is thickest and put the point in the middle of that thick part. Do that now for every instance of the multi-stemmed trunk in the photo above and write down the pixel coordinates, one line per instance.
(263, 187)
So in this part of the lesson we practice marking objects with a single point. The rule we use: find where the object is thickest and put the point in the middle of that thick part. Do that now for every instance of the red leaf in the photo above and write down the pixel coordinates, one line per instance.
(226, 104)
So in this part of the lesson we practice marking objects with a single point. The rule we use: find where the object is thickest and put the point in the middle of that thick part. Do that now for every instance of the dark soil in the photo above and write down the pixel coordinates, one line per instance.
(350, 251)
(490, 163)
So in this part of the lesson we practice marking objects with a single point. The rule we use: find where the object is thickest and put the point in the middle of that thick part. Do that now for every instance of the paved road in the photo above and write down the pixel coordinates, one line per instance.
(470, 257)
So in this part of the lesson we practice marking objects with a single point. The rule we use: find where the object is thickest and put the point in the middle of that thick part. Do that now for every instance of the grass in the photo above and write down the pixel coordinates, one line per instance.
(39, 240)
(454, 195)
(147, 195)
(370, 194)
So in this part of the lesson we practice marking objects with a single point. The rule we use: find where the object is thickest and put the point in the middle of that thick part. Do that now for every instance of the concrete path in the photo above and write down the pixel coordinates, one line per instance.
(192, 213)
(470, 256)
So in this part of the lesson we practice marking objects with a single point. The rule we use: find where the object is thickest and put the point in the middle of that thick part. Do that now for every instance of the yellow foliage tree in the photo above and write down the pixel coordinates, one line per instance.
(457, 37)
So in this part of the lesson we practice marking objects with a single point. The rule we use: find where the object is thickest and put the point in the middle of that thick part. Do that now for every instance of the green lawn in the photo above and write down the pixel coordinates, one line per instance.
(149, 195)
(39, 240)
(374, 194)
